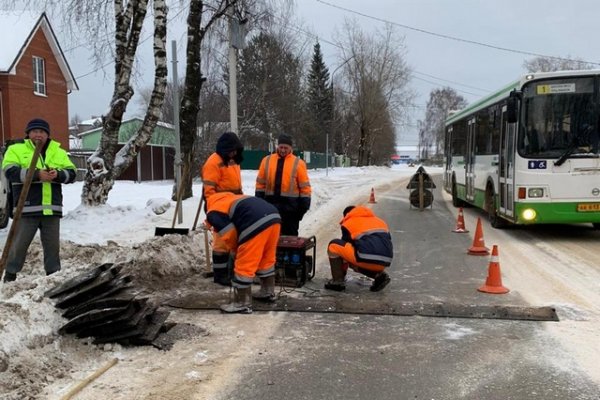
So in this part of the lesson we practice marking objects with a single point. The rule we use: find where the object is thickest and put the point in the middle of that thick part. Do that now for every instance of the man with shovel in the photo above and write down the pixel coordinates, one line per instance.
(221, 173)
(43, 207)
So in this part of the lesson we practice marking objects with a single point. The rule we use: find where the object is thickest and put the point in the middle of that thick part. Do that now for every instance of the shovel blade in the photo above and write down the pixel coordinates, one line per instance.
(158, 231)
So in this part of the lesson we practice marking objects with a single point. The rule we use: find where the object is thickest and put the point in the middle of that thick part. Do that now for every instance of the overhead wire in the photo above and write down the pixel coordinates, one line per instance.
(449, 37)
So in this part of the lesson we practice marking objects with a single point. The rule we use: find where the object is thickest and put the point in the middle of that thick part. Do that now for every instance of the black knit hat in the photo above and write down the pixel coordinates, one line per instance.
(228, 142)
(284, 139)
(37, 123)
(348, 209)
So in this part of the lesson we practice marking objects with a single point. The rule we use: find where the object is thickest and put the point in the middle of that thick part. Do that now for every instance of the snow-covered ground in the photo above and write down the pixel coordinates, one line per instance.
(33, 356)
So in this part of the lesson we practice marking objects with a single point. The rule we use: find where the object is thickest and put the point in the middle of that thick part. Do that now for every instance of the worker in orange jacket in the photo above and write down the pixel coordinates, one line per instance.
(283, 181)
(250, 227)
(365, 246)
(221, 173)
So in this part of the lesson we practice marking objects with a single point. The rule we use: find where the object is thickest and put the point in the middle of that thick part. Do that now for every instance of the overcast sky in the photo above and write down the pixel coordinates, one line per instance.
(547, 27)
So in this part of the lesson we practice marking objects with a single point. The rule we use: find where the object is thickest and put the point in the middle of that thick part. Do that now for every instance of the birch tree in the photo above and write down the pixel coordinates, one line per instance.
(107, 162)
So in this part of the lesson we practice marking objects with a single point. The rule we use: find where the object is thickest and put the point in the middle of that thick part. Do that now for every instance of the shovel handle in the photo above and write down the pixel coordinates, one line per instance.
(178, 205)
(20, 205)
(198, 211)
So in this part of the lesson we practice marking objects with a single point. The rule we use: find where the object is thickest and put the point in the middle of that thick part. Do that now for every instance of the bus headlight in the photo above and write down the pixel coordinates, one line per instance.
(535, 192)
(529, 214)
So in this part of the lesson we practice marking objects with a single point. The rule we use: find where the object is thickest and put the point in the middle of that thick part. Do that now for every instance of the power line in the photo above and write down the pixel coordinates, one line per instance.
(320, 39)
(443, 36)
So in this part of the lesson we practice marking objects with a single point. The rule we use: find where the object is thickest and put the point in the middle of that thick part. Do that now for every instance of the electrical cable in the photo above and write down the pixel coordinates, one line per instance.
(444, 36)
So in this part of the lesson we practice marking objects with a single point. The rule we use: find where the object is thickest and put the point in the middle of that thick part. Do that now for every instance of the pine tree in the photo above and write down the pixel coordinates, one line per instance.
(320, 102)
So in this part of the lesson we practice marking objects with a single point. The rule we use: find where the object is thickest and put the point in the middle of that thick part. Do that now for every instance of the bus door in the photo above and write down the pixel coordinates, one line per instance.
(470, 161)
(448, 152)
(506, 171)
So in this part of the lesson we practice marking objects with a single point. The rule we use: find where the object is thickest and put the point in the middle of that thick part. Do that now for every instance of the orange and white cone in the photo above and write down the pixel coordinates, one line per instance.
(478, 247)
(493, 283)
(460, 223)
(372, 197)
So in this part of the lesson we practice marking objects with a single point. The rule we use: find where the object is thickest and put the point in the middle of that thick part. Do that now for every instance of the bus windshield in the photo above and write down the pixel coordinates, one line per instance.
(560, 119)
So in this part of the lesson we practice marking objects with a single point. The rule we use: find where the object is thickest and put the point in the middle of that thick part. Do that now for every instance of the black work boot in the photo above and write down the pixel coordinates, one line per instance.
(9, 276)
(381, 280)
(338, 275)
(221, 276)
(266, 293)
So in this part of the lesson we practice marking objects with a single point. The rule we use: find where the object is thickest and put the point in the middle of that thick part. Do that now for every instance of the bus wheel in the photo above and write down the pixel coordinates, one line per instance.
(596, 225)
(4, 218)
(490, 207)
(456, 202)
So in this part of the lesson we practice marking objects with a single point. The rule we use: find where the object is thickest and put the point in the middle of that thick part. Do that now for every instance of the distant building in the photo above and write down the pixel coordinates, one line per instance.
(155, 161)
(35, 78)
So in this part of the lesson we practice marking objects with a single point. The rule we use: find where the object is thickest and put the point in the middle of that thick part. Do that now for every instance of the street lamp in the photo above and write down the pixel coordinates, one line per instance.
(333, 113)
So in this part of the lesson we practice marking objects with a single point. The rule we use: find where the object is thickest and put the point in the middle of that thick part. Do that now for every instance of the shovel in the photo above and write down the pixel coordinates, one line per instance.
(20, 205)
(208, 272)
(159, 231)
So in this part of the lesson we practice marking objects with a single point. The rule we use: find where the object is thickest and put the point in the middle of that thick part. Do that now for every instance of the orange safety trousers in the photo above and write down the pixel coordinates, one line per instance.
(218, 244)
(258, 253)
(346, 252)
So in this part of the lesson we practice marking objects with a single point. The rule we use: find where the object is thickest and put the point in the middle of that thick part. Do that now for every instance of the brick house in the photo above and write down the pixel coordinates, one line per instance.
(35, 78)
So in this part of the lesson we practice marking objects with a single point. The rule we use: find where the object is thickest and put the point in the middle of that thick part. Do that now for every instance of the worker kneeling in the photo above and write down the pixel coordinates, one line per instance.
(365, 246)
(249, 227)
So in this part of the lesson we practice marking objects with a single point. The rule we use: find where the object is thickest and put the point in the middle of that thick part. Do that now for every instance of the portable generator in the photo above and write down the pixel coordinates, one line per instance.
(295, 262)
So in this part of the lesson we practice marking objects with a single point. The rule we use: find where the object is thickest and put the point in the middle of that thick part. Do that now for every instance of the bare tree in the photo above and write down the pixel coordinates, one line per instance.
(549, 64)
(441, 102)
(378, 77)
(107, 162)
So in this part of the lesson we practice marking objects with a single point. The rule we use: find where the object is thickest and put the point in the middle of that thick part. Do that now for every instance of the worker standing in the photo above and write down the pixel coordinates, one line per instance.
(365, 246)
(250, 227)
(283, 181)
(221, 173)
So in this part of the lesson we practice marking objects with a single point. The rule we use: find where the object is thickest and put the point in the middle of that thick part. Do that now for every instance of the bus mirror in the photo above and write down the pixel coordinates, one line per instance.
(512, 107)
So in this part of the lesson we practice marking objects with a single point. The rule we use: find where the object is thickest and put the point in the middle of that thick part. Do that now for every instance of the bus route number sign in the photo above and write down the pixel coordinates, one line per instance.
(537, 164)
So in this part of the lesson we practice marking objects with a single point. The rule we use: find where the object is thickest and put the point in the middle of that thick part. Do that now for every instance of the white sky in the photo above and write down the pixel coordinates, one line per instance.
(548, 27)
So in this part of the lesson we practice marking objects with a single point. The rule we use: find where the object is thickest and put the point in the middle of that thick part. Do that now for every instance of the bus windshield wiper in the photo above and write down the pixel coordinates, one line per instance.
(561, 160)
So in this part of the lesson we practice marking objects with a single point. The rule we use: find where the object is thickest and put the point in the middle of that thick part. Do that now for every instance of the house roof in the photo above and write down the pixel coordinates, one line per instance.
(17, 29)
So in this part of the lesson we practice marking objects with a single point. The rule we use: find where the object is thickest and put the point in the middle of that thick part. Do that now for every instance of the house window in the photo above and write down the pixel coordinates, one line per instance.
(39, 76)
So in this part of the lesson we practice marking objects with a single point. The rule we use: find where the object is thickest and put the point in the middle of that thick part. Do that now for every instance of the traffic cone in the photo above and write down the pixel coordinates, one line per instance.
(478, 247)
(372, 198)
(460, 223)
(493, 283)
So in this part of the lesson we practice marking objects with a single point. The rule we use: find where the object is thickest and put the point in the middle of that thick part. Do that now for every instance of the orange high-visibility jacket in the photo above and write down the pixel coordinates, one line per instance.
(218, 177)
(369, 235)
(238, 218)
(295, 184)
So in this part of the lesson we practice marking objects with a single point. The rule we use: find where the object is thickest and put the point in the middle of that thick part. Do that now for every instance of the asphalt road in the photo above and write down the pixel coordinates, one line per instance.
(348, 356)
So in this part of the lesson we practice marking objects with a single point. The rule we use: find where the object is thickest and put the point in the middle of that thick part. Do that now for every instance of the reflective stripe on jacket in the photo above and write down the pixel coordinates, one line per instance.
(218, 177)
(294, 179)
(369, 235)
(43, 198)
(238, 218)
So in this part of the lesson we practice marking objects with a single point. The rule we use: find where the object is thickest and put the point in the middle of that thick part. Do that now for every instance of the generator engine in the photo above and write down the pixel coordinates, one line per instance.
(295, 261)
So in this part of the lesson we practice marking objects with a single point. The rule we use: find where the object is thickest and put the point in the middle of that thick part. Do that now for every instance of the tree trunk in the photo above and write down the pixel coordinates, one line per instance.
(105, 165)
(190, 101)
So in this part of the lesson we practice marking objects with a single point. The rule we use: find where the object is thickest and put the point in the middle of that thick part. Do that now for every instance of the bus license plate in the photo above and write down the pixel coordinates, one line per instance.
(588, 207)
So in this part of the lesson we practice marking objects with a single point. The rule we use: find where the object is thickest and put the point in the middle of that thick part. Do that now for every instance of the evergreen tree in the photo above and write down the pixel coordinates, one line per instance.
(270, 95)
(320, 102)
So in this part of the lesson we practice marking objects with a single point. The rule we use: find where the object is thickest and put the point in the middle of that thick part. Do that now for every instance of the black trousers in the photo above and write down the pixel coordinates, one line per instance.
(289, 223)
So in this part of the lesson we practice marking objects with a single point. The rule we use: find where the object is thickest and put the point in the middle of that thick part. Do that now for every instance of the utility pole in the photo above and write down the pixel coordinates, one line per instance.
(237, 33)
(178, 182)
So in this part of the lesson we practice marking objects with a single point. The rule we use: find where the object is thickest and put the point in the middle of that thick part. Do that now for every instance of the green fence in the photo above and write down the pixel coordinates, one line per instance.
(252, 159)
